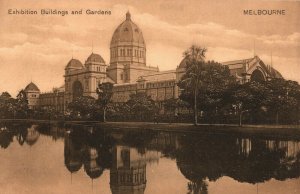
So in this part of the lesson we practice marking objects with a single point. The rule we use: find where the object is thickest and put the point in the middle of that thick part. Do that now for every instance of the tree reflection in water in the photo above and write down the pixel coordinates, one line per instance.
(251, 160)
(201, 158)
(206, 156)
(198, 187)
(24, 132)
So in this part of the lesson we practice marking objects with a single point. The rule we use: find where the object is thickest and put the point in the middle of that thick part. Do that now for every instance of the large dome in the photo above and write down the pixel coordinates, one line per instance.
(127, 32)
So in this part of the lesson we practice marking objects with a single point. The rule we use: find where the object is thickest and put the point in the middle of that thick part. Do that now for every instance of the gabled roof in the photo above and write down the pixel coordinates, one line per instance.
(272, 72)
(241, 61)
(252, 61)
(275, 73)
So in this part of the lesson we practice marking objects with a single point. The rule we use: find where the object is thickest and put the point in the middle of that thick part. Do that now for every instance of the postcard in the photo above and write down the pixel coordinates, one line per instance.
(149, 96)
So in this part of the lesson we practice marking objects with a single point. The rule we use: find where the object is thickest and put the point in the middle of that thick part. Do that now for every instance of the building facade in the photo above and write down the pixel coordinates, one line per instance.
(82, 80)
(129, 73)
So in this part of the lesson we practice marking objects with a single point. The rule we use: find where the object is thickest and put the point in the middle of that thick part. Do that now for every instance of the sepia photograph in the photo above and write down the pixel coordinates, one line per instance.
(149, 96)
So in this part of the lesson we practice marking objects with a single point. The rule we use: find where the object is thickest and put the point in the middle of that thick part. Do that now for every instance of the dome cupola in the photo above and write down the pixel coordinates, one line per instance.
(74, 64)
(95, 58)
(31, 87)
(128, 32)
(127, 45)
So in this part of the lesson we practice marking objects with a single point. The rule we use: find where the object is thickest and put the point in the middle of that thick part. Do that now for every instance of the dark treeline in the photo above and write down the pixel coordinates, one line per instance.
(216, 97)
(276, 101)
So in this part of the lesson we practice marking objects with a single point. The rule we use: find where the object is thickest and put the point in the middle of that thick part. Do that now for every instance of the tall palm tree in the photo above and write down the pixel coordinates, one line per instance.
(195, 72)
(105, 93)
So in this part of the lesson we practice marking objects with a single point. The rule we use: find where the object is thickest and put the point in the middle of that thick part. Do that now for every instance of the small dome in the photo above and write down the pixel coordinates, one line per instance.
(31, 87)
(73, 165)
(127, 32)
(93, 170)
(183, 63)
(95, 58)
(74, 64)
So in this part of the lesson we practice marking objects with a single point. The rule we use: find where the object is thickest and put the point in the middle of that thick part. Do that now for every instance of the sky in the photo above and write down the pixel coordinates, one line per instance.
(38, 47)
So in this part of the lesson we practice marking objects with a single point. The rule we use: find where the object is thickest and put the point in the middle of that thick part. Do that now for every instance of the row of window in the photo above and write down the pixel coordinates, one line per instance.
(160, 84)
(136, 178)
(142, 86)
(125, 88)
(101, 69)
(127, 52)
(161, 96)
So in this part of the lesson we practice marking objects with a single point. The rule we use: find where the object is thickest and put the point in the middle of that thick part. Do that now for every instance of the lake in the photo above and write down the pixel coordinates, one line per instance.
(45, 158)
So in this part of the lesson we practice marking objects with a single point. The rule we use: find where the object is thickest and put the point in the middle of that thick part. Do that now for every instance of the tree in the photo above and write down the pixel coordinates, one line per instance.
(204, 83)
(105, 93)
(82, 107)
(140, 104)
(213, 98)
(21, 105)
(195, 72)
(6, 105)
(249, 97)
(266, 99)
(284, 98)
(171, 105)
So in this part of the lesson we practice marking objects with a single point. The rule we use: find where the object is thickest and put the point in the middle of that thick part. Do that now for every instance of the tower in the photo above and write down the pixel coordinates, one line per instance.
(32, 93)
(128, 172)
(95, 73)
(128, 53)
(83, 80)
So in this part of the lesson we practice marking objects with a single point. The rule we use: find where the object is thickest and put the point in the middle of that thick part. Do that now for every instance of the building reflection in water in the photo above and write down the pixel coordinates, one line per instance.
(128, 172)
(200, 158)
(73, 153)
(127, 165)
(32, 135)
(91, 165)
(289, 148)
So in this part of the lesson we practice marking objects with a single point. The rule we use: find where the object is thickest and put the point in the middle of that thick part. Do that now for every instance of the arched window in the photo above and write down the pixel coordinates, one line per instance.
(257, 76)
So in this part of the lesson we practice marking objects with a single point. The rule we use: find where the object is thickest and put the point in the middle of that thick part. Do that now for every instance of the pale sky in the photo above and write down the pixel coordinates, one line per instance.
(38, 47)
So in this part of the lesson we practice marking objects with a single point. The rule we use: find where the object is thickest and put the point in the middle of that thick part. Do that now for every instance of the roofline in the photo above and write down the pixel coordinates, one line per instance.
(237, 61)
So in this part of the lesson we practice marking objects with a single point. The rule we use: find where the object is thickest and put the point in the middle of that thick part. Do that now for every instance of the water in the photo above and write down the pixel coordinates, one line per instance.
(83, 159)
